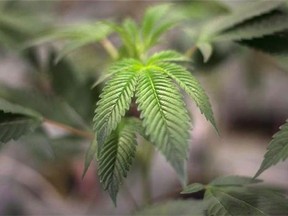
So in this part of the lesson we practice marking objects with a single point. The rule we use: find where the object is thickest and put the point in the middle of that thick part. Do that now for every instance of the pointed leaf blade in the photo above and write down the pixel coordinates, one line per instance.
(151, 17)
(234, 181)
(116, 158)
(206, 50)
(176, 207)
(277, 149)
(115, 101)
(193, 188)
(256, 28)
(166, 56)
(242, 14)
(77, 36)
(164, 117)
(227, 204)
(192, 86)
(16, 121)
(275, 44)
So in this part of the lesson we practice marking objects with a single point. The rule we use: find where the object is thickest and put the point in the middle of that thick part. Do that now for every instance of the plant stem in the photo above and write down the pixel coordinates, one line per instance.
(146, 186)
(189, 53)
(70, 129)
(146, 156)
(110, 48)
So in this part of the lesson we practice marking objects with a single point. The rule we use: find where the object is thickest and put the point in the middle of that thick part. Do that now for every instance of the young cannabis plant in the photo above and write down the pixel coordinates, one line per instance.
(155, 83)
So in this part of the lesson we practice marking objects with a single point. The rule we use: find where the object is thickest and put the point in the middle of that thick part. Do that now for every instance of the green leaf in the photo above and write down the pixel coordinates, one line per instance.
(16, 121)
(7, 107)
(224, 203)
(158, 32)
(157, 21)
(242, 14)
(91, 153)
(233, 181)
(136, 126)
(15, 31)
(151, 17)
(76, 36)
(129, 34)
(68, 48)
(245, 201)
(277, 149)
(115, 100)
(192, 86)
(116, 158)
(269, 201)
(70, 87)
(49, 106)
(206, 50)
(177, 207)
(246, 25)
(164, 116)
(256, 28)
(193, 188)
(273, 44)
(166, 56)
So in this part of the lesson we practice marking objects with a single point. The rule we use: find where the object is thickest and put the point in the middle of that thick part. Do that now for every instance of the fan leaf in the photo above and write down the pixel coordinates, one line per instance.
(76, 36)
(176, 207)
(249, 22)
(166, 56)
(206, 50)
(268, 25)
(192, 86)
(242, 14)
(276, 44)
(224, 203)
(277, 149)
(115, 100)
(164, 117)
(16, 121)
(116, 158)
(193, 188)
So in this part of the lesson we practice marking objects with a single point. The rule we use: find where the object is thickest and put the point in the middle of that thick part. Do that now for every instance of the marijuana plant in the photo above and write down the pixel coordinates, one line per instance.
(153, 81)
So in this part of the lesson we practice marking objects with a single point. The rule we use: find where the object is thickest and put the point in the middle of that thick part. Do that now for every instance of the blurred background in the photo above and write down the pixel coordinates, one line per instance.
(41, 173)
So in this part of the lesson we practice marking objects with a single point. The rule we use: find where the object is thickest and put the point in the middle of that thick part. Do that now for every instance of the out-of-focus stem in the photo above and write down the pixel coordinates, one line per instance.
(189, 53)
(70, 129)
(110, 48)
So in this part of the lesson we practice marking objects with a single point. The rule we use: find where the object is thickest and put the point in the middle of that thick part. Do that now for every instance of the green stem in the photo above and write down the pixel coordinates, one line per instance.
(110, 48)
(190, 52)
(70, 129)
(146, 187)
(145, 163)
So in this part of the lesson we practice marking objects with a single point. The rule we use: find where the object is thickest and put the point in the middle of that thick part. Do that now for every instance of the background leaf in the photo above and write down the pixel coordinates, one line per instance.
(277, 149)
(234, 181)
(176, 207)
(193, 188)
(226, 204)
(75, 36)
(257, 25)
(90, 155)
(16, 121)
